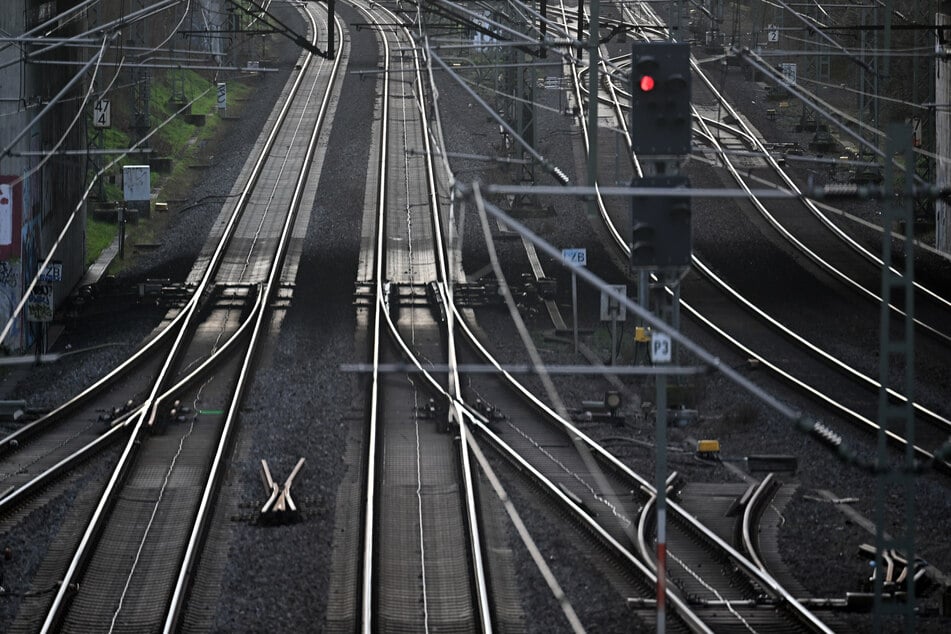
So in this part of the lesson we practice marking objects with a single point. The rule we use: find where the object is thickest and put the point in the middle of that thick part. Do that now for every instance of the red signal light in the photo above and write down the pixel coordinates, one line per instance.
(647, 83)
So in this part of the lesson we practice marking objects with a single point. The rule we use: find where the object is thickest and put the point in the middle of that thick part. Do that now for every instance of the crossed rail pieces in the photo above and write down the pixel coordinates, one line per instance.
(280, 507)
(894, 562)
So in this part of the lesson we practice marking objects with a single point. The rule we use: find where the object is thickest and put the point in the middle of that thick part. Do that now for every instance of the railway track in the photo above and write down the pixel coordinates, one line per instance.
(38, 452)
(422, 554)
(857, 405)
(131, 569)
(542, 452)
(858, 397)
(419, 485)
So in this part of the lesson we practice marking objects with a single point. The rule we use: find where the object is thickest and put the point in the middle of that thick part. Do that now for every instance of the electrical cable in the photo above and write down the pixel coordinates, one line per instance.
(79, 113)
(52, 103)
(113, 26)
(75, 214)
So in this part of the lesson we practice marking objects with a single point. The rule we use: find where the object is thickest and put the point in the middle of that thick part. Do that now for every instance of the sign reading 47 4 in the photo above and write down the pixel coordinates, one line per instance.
(102, 114)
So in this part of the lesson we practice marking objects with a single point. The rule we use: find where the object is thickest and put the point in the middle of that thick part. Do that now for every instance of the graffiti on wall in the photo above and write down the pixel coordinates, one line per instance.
(29, 265)
(9, 298)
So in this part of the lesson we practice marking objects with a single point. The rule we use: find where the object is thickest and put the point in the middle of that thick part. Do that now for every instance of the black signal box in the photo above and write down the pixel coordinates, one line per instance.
(661, 235)
(661, 120)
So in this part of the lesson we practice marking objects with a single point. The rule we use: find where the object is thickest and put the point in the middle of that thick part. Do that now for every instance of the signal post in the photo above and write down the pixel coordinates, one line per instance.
(661, 238)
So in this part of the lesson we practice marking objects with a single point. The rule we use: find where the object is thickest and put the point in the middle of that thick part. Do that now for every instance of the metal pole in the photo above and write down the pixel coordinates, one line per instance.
(660, 482)
(643, 286)
(580, 20)
(593, 85)
(896, 352)
(613, 335)
(574, 308)
(675, 318)
(121, 233)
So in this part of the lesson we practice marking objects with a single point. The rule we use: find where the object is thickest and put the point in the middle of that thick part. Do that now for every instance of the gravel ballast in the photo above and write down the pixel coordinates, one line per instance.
(301, 405)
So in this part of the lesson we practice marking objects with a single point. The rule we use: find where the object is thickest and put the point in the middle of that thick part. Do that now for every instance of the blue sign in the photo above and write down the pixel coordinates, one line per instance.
(575, 256)
(52, 273)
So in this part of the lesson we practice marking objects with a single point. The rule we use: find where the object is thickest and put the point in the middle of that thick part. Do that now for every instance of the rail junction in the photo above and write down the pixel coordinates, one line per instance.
(468, 496)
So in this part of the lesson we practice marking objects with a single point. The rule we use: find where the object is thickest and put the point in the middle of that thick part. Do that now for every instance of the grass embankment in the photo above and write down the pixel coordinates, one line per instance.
(179, 139)
(99, 235)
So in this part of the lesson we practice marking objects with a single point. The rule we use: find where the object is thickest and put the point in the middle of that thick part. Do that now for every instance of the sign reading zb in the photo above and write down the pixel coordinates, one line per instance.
(575, 256)
(102, 114)
(52, 273)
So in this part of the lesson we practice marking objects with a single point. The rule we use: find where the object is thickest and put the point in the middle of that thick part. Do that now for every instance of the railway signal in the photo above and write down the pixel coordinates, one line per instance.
(660, 225)
(660, 98)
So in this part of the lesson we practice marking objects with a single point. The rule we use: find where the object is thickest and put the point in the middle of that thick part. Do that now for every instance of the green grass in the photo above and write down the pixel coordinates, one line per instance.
(99, 235)
(170, 140)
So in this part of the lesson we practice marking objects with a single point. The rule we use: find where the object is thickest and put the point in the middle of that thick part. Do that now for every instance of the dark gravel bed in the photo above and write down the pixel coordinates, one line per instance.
(818, 542)
(115, 323)
(300, 405)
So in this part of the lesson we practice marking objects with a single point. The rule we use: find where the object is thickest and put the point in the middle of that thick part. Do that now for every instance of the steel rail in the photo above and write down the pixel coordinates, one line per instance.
(686, 614)
(933, 416)
(51, 417)
(479, 421)
(892, 436)
(14, 495)
(768, 581)
(920, 452)
(149, 410)
(823, 218)
(791, 185)
(860, 377)
(683, 611)
(644, 525)
(435, 385)
(380, 310)
(754, 508)
(505, 449)
(445, 289)
(770, 584)
(205, 507)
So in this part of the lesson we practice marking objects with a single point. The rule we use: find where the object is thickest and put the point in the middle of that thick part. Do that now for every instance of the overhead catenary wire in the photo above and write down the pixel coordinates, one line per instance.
(803, 422)
(856, 91)
(111, 34)
(554, 398)
(547, 574)
(72, 124)
(826, 110)
(55, 100)
(57, 20)
(94, 61)
(18, 309)
(855, 58)
(113, 26)
(546, 163)
(480, 18)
